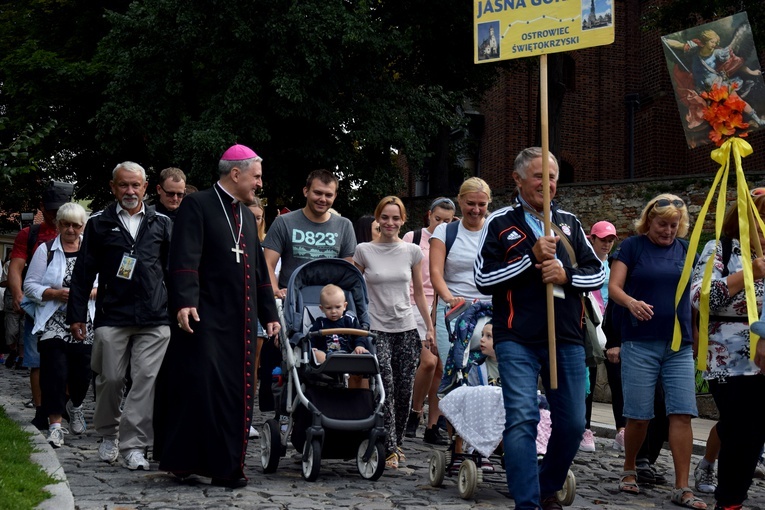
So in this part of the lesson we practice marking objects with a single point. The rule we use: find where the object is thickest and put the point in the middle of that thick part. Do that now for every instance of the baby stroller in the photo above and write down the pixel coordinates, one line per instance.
(476, 412)
(315, 408)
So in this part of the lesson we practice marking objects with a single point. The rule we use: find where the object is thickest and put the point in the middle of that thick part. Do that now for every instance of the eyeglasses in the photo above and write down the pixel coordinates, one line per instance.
(441, 202)
(756, 192)
(172, 194)
(65, 225)
(665, 202)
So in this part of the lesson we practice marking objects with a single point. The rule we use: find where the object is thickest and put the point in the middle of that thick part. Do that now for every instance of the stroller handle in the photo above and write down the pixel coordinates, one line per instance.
(342, 331)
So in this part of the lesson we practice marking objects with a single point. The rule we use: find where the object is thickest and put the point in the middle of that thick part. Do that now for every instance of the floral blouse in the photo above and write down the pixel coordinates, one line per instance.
(728, 349)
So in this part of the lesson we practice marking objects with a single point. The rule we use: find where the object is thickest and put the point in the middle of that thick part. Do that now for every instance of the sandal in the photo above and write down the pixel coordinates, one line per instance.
(684, 496)
(391, 461)
(628, 487)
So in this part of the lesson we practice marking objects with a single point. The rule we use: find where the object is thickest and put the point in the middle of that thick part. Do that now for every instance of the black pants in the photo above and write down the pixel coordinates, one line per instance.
(63, 365)
(741, 428)
(614, 373)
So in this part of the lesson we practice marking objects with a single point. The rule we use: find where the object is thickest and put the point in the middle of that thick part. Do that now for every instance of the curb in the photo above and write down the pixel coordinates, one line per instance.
(46, 458)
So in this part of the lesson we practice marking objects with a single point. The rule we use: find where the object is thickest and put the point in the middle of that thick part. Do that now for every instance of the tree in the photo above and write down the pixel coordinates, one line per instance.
(341, 84)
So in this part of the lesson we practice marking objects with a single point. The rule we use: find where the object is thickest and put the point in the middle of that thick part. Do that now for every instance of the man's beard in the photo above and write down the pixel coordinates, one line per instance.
(129, 202)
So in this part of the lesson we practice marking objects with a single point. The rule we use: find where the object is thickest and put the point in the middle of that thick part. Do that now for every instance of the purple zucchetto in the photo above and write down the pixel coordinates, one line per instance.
(238, 153)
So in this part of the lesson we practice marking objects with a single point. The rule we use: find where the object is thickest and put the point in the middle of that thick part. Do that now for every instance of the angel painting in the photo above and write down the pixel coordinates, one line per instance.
(697, 61)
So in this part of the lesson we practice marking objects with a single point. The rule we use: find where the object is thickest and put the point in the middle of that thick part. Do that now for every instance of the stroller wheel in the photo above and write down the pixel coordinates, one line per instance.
(467, 479)
(374, 467)
(567, 494)
(437, 468)
(312, 464)
(270, 446)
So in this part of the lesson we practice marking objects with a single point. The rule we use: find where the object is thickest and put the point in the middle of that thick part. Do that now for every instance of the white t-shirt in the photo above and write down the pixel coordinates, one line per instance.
(388, 271)
(458, 266)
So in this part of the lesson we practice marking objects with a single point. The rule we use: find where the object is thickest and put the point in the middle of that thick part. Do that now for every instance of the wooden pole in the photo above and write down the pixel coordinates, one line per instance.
(546, 213)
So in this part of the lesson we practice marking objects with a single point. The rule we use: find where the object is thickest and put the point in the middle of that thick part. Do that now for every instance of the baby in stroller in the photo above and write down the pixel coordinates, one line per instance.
(333, 304)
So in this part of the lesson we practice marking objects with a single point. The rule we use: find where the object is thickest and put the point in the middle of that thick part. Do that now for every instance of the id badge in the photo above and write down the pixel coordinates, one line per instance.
(127, 266)
(558, 292)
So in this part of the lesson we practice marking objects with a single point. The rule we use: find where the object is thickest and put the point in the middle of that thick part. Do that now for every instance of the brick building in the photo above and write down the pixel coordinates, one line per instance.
(618, 101)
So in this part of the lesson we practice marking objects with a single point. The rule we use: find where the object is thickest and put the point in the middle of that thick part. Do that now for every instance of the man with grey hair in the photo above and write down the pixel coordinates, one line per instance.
(219, 289)
(127, 246)
(516, 260)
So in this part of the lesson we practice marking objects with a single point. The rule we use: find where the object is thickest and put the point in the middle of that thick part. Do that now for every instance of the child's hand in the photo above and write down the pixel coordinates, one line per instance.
(360, 350)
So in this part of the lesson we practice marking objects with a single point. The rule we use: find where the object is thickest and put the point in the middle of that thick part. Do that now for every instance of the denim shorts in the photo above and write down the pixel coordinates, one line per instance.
(31, 355)
(644, 363)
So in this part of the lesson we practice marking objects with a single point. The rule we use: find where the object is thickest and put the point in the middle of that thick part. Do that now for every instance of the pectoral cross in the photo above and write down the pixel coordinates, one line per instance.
(236, 250)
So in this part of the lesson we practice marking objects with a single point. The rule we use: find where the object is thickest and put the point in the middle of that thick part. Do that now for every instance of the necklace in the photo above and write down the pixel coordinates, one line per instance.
(235, 249)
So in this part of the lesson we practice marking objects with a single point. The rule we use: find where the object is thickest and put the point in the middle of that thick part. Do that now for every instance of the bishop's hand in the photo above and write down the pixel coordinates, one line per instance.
(185, 316)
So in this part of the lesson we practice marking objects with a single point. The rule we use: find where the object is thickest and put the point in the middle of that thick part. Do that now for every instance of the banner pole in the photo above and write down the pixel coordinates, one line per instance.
(546, 213)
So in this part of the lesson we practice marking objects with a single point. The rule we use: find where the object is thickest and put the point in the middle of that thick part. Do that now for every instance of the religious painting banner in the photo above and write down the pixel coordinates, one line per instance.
(711, 62)
(508, 29)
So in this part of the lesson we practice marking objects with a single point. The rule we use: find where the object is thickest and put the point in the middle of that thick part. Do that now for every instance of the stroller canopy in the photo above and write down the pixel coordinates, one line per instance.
(305, 287)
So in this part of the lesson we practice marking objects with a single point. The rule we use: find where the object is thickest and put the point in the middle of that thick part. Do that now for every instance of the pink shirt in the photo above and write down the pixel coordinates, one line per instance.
(425, 247)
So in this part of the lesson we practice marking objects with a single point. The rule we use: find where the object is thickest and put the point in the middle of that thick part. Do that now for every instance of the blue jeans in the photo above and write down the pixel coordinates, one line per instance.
(519, 368)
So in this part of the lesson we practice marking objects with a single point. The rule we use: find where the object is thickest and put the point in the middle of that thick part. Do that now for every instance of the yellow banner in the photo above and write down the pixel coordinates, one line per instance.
(507, 29)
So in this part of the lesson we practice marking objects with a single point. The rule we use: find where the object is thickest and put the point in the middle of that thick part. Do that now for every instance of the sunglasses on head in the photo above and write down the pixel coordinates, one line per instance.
(171, 194)
(665, 202)
(440, 202)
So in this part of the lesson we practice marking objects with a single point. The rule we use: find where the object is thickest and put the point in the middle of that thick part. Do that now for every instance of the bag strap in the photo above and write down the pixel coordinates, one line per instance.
(451, 234)
(563, 237)
(417, 237)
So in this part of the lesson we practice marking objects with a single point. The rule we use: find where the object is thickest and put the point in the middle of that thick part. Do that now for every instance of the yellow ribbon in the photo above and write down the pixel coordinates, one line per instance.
(739, 148)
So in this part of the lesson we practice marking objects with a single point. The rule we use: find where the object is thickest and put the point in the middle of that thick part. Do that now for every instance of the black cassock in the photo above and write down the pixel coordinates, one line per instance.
(206, 385)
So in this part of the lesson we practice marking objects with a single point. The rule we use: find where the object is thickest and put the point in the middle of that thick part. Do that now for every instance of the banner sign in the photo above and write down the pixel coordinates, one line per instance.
(508, 29)
(710, 61)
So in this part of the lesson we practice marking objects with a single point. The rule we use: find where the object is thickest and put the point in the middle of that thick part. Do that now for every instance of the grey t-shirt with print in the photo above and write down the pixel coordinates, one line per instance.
(299, 240)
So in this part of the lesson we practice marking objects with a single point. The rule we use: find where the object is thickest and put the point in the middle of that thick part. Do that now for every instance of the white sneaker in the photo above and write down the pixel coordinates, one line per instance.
(56, 437)
(706, 480)
(619, 441)
(254, 434)
(588, 442)
(759, 471)
(135, 460)
(76, 418)
(109, 449)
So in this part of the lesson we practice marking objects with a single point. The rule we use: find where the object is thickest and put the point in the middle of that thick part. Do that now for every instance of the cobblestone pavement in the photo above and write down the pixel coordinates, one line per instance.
(97, 485)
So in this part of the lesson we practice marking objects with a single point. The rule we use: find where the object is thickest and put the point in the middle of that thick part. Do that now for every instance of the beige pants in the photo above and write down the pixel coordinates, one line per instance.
(114, 348)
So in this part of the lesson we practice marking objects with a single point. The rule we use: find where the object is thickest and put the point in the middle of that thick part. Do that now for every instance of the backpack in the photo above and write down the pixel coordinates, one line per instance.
(451, 234)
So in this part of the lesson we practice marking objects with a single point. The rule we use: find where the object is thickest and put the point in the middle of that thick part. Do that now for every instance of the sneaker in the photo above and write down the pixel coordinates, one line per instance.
(706, 480)
(588, 442)
(29, 404)
(56, 437)
(109, 450)
(759, 470)
(76, 418)
(619, 441)
(486, 465)
(411, 424)
(254, 434)
(135, 460)
(433, 436)
(647, 474)
(391, 461)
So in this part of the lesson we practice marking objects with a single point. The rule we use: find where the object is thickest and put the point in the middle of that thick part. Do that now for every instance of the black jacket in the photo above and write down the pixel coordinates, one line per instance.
(140, 301)
(505, 269)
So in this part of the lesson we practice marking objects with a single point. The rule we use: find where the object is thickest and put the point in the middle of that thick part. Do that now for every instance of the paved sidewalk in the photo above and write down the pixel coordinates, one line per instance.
(92, 484)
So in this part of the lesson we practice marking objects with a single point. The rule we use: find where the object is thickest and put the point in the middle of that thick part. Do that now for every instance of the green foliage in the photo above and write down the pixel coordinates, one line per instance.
(309, 84)
(21, 481)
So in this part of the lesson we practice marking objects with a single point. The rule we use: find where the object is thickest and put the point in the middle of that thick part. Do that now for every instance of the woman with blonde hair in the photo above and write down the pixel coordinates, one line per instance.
(644, 278)
(453, 250)
(389, 265)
